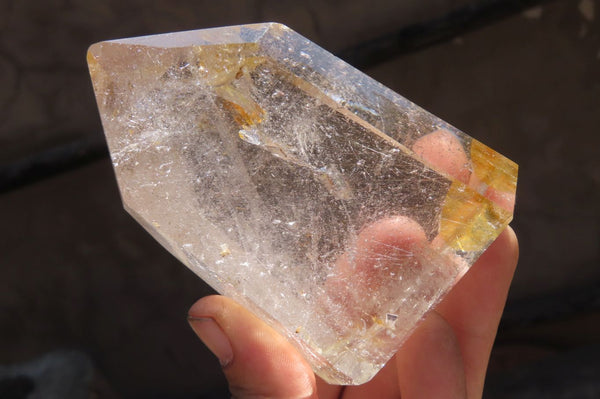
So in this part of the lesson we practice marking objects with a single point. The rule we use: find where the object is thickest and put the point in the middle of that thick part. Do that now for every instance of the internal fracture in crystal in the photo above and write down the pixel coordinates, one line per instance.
(330, 206)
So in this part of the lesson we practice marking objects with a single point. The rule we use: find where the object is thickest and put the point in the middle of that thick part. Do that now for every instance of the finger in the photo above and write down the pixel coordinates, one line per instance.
(444, 151)
(377, 244)
(367, 274)
(503, 199)
(256, 360)
(474, 306)
(429, 364)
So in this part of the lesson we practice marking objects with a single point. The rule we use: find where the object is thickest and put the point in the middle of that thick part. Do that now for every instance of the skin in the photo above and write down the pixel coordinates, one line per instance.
(445, 357)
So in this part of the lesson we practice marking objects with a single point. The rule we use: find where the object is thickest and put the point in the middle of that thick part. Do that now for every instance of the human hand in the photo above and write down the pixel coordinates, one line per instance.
(445, 357)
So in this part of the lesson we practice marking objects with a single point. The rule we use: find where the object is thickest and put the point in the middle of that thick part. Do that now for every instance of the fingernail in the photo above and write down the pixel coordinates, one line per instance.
(213, 337)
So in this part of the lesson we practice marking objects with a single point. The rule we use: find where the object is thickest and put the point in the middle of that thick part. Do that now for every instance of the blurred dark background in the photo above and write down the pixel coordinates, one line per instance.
(79, 276)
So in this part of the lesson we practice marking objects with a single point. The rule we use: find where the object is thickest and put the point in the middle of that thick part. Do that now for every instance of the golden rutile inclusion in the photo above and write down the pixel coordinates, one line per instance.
(297, 185)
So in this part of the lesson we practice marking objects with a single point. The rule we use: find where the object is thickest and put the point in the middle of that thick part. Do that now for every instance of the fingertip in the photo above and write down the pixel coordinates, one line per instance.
(384, 252)
(213, 337)
(207, 306)
(512, 242)
(503, 199)
(503, 252)
(399, 231)
(386, 246)
(444, 151)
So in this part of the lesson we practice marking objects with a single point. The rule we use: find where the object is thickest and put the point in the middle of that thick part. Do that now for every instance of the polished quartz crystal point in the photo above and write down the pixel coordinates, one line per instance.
(333, 208)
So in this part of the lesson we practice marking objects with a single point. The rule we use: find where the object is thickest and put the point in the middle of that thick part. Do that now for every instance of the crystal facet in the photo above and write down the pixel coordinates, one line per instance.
(332, 207)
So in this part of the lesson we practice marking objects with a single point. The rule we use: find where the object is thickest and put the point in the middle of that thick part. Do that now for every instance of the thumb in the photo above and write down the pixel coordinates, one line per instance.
(256, 360)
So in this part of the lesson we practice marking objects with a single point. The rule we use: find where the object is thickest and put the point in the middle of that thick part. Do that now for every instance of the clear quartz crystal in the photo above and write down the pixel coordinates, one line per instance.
(284, 178)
